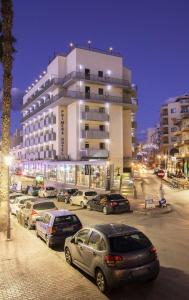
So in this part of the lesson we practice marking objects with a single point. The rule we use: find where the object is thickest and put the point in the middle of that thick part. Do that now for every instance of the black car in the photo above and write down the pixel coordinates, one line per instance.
(65, 194)
(109, 203)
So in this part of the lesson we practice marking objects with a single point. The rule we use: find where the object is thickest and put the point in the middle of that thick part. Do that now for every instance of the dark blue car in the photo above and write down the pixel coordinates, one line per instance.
(55, 226)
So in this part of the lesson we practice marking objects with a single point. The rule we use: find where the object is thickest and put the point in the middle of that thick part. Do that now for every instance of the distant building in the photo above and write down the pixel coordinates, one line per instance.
(170, 111)
(16, 144)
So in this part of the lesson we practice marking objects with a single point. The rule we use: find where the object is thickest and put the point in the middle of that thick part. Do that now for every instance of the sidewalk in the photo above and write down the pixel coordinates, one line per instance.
(29, 270)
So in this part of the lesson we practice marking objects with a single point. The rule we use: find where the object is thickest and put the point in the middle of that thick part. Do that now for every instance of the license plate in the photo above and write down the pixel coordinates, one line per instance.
(67, 229)
(121, 203)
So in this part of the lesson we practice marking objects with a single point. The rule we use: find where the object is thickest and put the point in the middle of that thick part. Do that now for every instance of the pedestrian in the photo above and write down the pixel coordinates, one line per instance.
(142, 186)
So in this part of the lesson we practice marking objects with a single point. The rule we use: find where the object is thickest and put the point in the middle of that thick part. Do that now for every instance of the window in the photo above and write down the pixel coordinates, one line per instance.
(173, 110)
(82, 236)
(174, 139)
(102, 146)
(87, 91)
(101, 127)
(94, 240)
(46, 219)
(90, 193)
(86, 108)
(100, 73)
(129, 242)
(44, 206)
(100, 91)
(173, 129)
(86, 145)
(87, 73)
(102, 109)
(68, 220)
(86, 126)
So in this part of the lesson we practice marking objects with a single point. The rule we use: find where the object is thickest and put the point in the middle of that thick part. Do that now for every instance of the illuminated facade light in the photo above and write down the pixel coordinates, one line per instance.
(110, 49)
(109, 72)
(109, 87)
(71, 44)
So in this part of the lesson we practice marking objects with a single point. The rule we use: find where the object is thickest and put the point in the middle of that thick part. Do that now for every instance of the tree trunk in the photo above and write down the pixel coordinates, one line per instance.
(7, 46)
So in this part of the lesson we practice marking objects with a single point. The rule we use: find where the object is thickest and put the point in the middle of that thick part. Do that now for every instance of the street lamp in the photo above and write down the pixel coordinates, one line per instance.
(8, 159)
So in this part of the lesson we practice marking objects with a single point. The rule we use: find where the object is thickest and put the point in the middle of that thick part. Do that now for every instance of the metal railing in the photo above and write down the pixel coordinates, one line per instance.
(94, 153)
(94, 116)
(81, 96)
(94, 134)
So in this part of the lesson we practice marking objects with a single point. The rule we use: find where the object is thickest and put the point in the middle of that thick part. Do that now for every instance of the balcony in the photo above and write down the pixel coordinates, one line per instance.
(129, 103)
(185, 127)
(75, 76)
(94, 153)
(94, 134)
(94, 116)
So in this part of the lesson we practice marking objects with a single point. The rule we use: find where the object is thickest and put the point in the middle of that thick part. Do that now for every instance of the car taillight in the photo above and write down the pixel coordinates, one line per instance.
(153, 250)
(34, 212)
(52, 230)
(114, 203)
(111, 260)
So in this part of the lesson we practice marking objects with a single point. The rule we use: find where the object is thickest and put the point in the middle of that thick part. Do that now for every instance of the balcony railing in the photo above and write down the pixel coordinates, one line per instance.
(94, 116)
(82, 96)
(76, 76)
(94, 134)
(95, 78)
(185, 127)
(94, 153)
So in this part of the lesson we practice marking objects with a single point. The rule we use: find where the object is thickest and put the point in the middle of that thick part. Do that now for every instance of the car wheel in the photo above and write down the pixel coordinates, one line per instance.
(48, 242)
(105, 210)
(89, 207)
(82, 204)
(68, 256)
(101, 281)
(29, 226)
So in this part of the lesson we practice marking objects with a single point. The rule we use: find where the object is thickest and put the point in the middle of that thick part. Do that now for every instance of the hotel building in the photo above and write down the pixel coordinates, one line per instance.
(80, 112)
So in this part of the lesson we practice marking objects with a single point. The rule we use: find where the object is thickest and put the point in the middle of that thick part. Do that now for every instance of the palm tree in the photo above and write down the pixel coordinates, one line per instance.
(6, 51)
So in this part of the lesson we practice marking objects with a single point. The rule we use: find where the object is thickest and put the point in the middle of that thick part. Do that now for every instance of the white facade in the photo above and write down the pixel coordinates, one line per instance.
(83, 107)
(170, 112)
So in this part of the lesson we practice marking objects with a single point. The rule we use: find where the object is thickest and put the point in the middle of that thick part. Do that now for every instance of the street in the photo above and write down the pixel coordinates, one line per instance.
(168, 232)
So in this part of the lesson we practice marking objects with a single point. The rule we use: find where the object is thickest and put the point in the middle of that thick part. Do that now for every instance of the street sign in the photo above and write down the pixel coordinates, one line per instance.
(161, 173)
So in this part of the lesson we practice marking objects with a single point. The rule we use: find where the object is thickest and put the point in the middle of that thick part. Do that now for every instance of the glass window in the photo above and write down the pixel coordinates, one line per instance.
(102, 145)
(173, 110)
(86, 145)
(129, 242)
(94, 240)
(102, 109)
(91, 193)
(82, 236)
(115, 197)
(86, 126)
(68, 220)
(100, 73)
(100, 91)
(101, 127)
(44, 205)
(86, 108)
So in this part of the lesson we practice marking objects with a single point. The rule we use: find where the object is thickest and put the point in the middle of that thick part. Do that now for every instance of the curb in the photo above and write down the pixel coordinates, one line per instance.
(160, 211)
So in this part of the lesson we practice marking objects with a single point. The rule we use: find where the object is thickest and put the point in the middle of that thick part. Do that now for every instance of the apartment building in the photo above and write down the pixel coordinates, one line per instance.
(80, 111)
(173, 109)
(182, 141)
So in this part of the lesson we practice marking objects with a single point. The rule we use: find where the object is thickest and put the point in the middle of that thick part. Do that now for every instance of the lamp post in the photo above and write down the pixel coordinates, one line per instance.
(8, 161)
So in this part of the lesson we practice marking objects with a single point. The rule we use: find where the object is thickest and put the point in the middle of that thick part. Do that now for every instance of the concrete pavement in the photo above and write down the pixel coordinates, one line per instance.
(29, 270)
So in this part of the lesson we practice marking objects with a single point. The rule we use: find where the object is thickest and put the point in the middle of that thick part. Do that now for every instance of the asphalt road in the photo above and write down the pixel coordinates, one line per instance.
(168, 232)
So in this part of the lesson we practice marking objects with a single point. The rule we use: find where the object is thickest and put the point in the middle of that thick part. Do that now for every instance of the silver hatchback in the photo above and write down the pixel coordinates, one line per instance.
(113, 254)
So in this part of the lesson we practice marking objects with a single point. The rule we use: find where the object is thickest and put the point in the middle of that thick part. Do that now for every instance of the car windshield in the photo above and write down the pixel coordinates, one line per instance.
(90, 193)
(44, 205)
(71, 220)
(115, 197)
(72, 191)
(49, 188)
(129, 242)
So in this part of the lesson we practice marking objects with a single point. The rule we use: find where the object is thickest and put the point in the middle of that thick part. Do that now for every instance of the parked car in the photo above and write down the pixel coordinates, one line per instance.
(109, 203)
(33, 190)
(82, 197)
(48, 191)
(57, 225)
(13, 196)
(33, 210)
(113, 254)
(14, 206)
(65, 194)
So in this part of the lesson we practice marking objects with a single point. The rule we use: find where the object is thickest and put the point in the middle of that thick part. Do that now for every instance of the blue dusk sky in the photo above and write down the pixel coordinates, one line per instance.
(152, 36)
